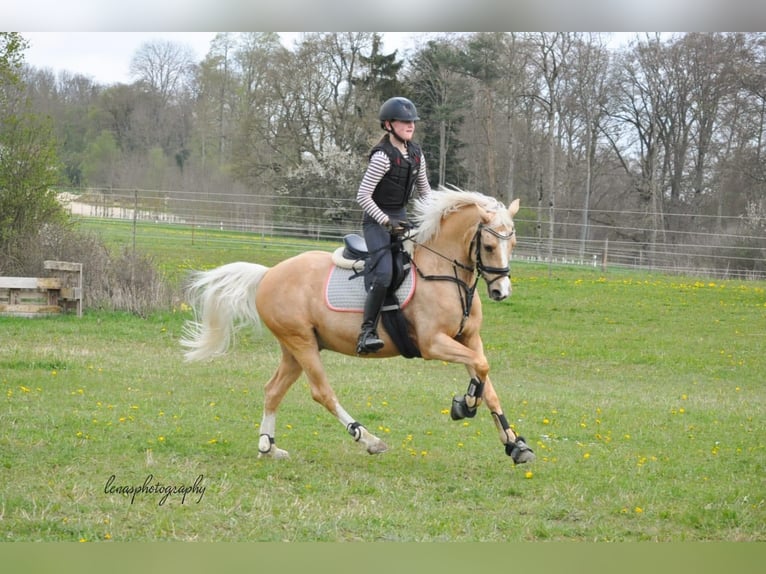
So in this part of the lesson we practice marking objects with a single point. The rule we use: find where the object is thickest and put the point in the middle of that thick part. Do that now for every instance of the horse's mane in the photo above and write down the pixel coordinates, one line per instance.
(428, 211)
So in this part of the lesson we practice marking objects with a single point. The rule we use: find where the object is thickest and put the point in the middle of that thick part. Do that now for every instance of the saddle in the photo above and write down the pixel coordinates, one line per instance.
(344, 289)
(353, 254)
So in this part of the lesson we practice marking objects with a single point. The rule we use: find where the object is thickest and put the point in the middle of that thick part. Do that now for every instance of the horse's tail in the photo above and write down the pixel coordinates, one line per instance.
(223, 300)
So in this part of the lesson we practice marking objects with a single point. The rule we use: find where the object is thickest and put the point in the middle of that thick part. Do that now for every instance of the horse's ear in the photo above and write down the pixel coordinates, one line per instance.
(513, 209)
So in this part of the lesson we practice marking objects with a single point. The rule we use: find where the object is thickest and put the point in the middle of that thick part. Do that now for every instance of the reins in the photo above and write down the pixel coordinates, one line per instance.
(466, 292)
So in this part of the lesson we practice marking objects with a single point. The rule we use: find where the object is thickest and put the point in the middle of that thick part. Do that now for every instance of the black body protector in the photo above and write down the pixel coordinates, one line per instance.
(396, 187)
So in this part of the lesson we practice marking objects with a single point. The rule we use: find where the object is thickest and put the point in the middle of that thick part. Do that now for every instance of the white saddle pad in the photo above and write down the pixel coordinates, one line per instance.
(342, 293)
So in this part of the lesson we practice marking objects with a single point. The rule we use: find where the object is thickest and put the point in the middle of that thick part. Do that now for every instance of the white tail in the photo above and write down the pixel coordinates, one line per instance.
(223, 300)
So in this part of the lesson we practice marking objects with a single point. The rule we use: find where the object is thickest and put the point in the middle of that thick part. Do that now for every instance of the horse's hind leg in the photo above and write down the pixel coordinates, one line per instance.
(322, 392)
(286, 374)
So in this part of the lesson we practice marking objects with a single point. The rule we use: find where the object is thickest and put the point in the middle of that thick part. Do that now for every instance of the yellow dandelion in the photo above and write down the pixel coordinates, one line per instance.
(528, 474)
(586, 456)
(638, 510)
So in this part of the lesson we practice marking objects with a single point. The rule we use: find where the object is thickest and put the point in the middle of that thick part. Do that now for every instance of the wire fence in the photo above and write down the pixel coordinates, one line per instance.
(701, 245)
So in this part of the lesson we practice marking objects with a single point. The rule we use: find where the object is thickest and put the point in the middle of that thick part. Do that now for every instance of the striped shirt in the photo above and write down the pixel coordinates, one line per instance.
(376, 169)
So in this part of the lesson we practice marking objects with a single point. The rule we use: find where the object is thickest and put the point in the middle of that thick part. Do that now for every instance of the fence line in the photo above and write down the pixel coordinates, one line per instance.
(737, 251)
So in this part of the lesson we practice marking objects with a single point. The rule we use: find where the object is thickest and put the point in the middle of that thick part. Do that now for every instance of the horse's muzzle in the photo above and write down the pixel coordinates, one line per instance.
(500, 289)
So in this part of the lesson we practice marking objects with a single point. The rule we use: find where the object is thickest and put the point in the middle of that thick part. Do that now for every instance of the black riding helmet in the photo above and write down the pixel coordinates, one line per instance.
(397, 108)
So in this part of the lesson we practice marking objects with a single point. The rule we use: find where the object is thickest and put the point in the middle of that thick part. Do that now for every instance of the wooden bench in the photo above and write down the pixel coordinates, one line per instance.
(39, 296)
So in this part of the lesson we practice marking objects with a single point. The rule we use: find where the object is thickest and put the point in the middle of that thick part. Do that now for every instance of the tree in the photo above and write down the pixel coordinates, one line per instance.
(28, 161)
(101, 159)
(442, 94)
(164, 67)
(550, 60)
(589, 100)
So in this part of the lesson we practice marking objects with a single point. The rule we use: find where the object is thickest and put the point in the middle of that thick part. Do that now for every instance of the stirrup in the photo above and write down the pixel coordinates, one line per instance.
(368, 342)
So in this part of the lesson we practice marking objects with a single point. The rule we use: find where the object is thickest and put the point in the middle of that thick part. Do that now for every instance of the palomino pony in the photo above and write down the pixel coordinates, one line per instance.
(460, 237)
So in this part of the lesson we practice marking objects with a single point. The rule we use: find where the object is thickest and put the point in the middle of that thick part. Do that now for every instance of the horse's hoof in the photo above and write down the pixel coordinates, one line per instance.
(267, 449)
(519, 451)
(378, 447)
(460, 409)
(275, 453)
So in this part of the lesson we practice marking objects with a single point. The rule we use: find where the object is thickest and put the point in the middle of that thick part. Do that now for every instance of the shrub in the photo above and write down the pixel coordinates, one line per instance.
(126, 281)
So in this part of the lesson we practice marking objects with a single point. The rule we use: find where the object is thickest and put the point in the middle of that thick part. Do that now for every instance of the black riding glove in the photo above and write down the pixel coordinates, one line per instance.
(398, 227)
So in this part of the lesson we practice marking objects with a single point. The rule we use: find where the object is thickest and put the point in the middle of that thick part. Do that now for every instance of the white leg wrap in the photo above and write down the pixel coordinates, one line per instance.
(266, 446)
(269, 424)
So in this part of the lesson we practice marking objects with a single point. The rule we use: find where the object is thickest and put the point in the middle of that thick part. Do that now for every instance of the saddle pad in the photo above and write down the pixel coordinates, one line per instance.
(344, 293)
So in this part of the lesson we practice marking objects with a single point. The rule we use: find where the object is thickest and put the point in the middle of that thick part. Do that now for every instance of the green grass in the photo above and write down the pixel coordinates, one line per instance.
(642, 395)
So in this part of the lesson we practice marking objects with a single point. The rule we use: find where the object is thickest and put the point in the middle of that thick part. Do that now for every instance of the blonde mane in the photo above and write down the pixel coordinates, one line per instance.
(428, 211)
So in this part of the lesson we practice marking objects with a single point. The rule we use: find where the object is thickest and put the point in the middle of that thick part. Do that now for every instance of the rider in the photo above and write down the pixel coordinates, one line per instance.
(396, 167)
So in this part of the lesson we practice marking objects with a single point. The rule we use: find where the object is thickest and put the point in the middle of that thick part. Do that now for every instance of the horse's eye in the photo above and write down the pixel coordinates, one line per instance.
(489, 248)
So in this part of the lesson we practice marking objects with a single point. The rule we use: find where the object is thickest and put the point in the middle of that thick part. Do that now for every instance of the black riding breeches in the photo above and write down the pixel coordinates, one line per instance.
(379, 268)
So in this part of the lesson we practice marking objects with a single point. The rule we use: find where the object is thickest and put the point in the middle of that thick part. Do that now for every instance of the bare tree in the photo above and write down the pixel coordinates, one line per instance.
(164, 67)
(549, 59)
(591, 64)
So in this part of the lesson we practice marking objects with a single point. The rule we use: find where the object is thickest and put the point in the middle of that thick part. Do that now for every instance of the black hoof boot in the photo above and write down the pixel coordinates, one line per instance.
(461, 410)
(519, 451)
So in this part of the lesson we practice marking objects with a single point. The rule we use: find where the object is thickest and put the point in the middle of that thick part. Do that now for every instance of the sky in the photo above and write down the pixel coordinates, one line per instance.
(97, 38)
(105, 56)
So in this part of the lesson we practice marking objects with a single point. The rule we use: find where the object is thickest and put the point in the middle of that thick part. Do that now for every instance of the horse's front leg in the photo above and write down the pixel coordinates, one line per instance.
(515, 445)
(480, 389)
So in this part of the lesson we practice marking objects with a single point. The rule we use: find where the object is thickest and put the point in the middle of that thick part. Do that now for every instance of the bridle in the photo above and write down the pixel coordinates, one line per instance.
(478, 268)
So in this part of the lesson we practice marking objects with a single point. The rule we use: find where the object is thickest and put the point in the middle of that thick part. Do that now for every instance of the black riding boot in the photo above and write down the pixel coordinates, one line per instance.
(369, 342)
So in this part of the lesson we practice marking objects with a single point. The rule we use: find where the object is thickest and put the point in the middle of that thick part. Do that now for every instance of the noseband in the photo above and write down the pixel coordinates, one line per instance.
(467, 291)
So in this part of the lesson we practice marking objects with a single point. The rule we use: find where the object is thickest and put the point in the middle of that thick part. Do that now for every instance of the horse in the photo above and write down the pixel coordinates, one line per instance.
(458, 237)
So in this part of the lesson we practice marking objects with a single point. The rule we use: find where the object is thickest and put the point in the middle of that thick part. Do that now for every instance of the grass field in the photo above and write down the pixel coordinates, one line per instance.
(642, 395)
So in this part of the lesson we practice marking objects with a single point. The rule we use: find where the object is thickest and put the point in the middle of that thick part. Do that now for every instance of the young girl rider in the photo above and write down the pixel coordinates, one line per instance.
(396, 168)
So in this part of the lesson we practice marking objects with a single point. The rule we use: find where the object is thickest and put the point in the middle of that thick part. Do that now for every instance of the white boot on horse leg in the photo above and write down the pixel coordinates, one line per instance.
(371, 443)
(267, 449)
(266, 446)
